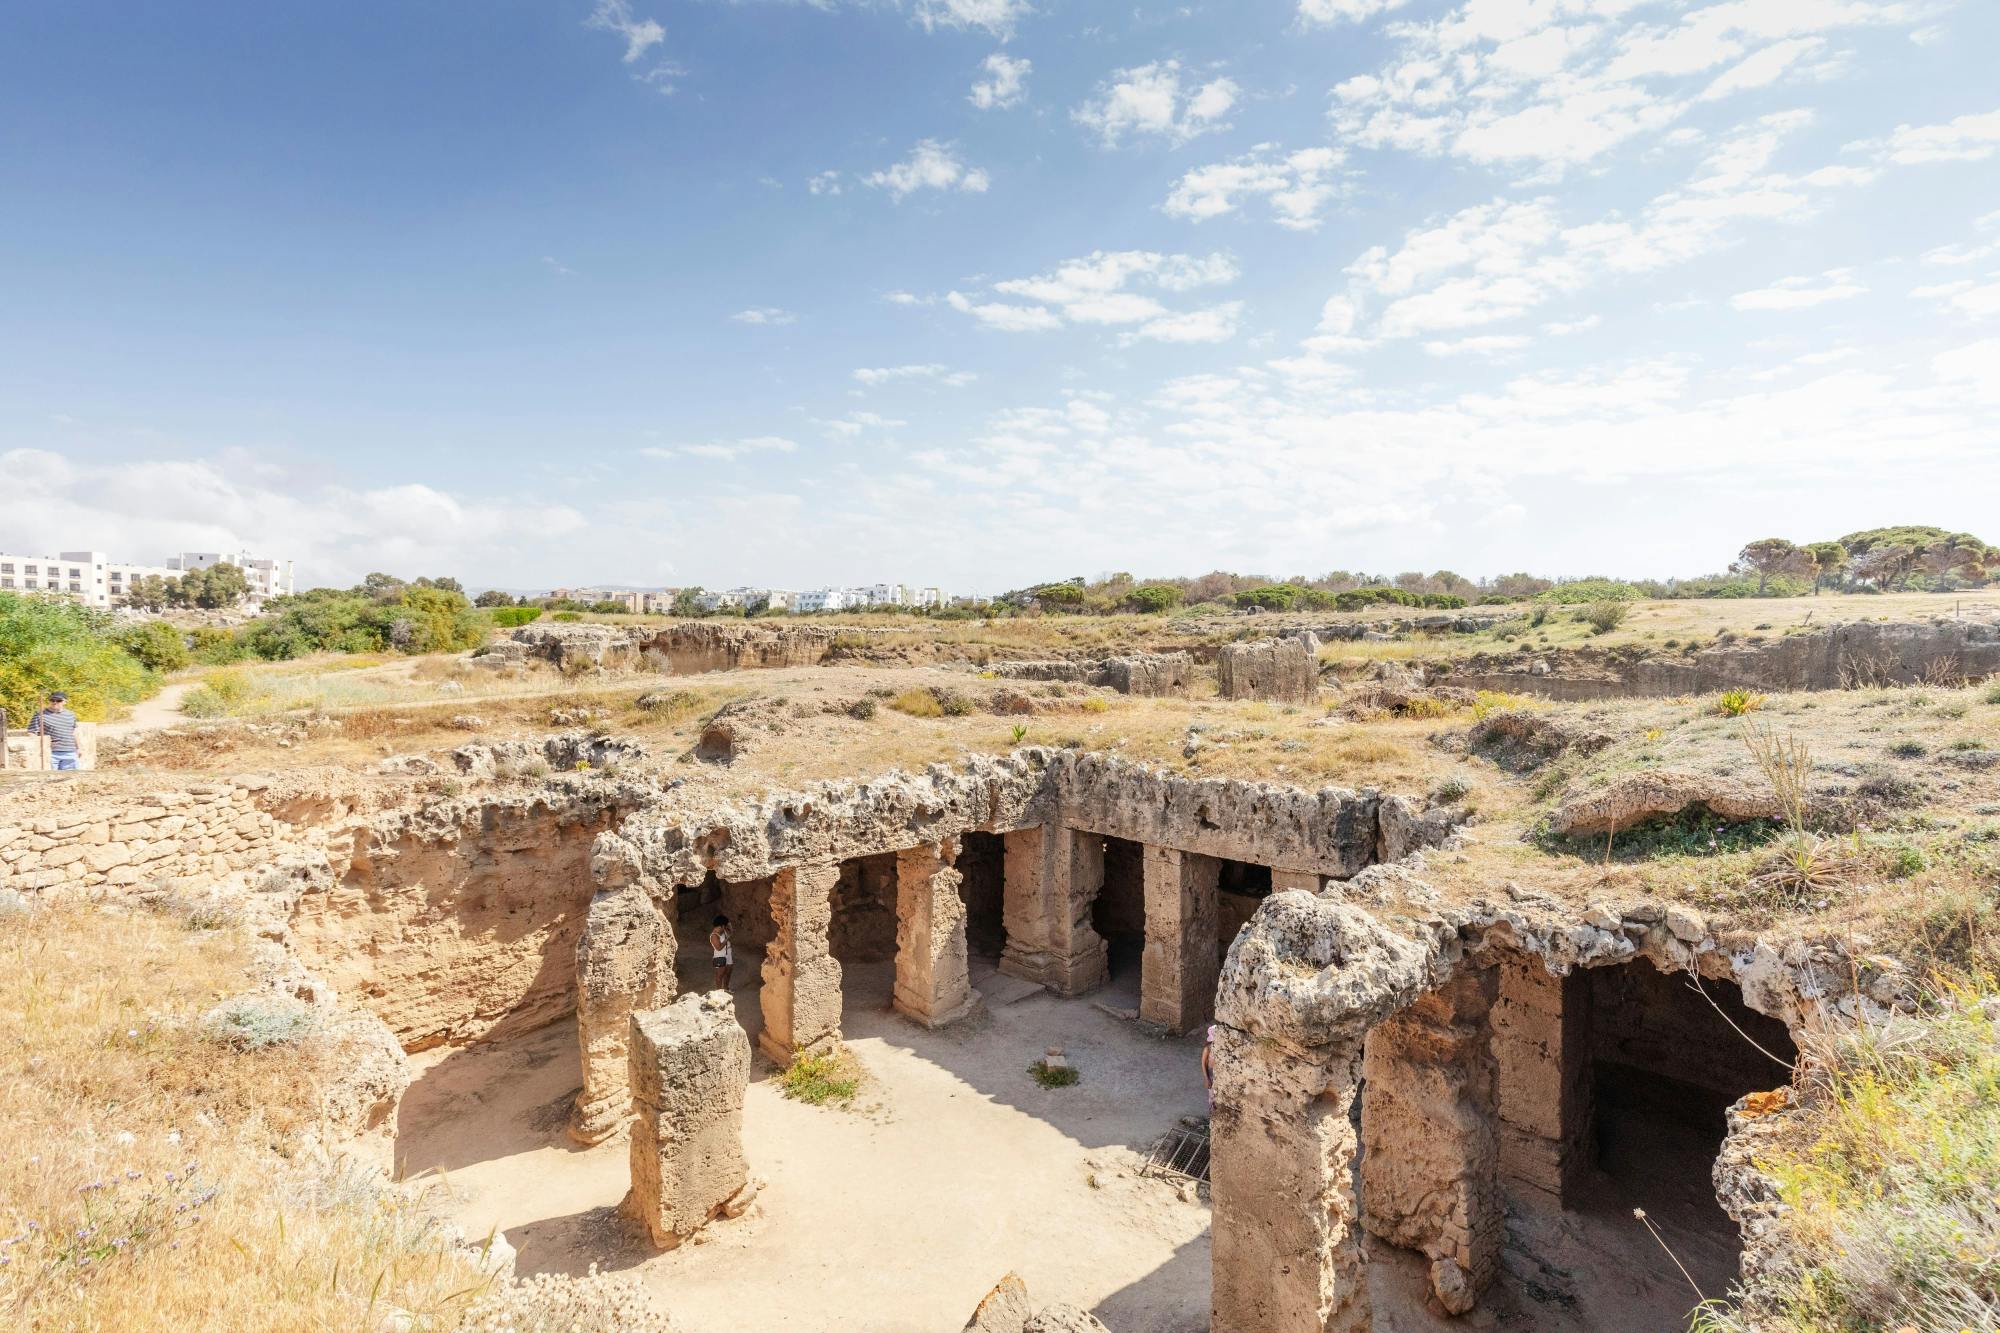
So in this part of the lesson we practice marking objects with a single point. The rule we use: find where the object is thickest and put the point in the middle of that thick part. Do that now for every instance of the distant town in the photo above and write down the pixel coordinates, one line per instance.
(762, 601)
(95, 579)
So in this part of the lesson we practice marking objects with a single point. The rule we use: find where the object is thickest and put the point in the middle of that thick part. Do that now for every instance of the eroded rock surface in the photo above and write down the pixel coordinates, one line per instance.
(624, 963)
(1279, 670)
(690, 1066)
(1638, 797)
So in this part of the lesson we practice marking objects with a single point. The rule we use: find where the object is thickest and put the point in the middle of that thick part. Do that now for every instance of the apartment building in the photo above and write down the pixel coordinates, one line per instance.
(95, 579)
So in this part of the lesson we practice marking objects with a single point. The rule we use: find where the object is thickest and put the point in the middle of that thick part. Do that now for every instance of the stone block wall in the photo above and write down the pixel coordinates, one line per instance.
(205, 829)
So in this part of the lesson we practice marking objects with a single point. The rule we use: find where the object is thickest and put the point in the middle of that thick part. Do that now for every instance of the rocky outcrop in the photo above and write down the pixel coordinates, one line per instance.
(1838, 657)
(1146, 674)
(1278, 670)
(1641, 796)
(690, 1066)
(624, 963)
(1009, 1309)
(693, 646)
(1521, 739)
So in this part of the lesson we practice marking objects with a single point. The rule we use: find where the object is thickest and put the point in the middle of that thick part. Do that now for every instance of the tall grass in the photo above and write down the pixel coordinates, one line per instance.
(1892, 1178)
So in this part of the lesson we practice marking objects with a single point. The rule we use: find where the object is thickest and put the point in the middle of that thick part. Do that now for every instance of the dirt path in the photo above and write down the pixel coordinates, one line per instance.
(161, 711)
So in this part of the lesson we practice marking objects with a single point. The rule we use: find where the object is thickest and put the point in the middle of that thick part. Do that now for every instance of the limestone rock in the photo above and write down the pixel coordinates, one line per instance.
(1005, 1309)
(690, 1067)
(1641, 796)
(1317, 971)
(624, 962)
(1280, 670)
(1065, 1319)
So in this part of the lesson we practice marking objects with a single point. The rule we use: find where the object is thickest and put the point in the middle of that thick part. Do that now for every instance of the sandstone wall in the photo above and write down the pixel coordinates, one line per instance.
(694, 646)
(1145, 674)
(459, 922)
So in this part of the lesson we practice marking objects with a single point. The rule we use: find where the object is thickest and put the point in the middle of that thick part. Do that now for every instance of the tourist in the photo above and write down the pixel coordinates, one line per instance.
(56, 722)
(722, 951)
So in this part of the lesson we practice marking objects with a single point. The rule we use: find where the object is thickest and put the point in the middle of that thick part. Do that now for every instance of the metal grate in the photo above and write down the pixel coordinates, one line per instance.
(1181, 1154)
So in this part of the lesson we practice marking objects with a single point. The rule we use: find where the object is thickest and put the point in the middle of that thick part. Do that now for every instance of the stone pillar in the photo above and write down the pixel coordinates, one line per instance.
(1178, 971)
(1073, 869)
(690, 1068)
(1430, 1160)
(932, 983)
(1281, 880)
(1024, 907)
(1286, 1254)
(624, 962)
(801, 993)
(1541, 1040)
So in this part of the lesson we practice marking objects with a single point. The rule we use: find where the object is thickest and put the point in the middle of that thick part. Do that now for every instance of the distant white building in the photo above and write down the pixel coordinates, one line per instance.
(93, 578)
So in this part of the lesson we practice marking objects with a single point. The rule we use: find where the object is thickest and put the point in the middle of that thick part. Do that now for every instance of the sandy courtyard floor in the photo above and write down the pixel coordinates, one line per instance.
(894, 1217)
(954, 1167)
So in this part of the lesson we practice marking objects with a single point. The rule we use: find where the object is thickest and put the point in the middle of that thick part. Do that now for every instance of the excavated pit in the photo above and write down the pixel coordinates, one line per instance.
(1472, 1112)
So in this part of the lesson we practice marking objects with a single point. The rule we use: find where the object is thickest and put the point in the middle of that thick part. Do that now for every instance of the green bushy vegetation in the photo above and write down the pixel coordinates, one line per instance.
(817, 1080)
(54, 645)
(1889, 1179)
(382, 615)
(509, 617)
(1582, 592)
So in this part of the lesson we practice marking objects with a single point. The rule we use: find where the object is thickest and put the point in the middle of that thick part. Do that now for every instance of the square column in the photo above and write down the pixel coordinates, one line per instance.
(1430, 1161)
(933, 986)
(690, 1065)
(1073, 869)
(1024, 906)
(1179, 969)
(1285, 1251)
(1541, 1038)
(801, 994)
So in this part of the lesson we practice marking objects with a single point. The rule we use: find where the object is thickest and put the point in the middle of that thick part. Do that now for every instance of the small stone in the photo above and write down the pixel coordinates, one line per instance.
(1686, 926)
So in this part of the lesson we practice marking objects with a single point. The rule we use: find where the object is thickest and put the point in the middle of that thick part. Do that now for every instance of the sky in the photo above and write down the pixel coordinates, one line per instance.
(979, 293)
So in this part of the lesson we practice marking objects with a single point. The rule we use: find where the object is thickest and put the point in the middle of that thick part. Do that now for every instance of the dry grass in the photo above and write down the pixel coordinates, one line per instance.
(144, 1183)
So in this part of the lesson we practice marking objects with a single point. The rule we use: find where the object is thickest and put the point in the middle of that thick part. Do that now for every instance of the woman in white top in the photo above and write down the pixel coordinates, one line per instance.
(722, 951)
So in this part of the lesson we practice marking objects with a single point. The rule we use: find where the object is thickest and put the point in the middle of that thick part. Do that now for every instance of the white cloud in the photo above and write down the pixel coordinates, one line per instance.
(1499, 261)
(726, 451)
(1151, 100)
(995, 16)
(1297, 186)
(1347, 11)
(1119, 288)
(826, 182)
(1966, 139)
(930, 166)
(855, 424)
(767, 315)
(1007, 318)
(641, 35)
(1800, 293)
(142, 509)
(1491, 344)
(908, 298)
(1545, 86)
(945, 375)
(1972, 297)
(1005, 84)
(1213, 324)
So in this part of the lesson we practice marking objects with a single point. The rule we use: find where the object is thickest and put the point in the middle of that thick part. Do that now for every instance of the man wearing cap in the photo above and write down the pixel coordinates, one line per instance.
(58, 724)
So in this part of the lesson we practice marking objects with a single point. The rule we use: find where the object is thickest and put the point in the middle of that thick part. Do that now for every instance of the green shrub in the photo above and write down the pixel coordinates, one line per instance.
(210, 646)
(1992, 695)
(1735, 703)
(567, 617)
(50, 645)
(157, 645)
(510, 617)
(255, 1022)
(819, 1079)
(1909, 749)
(917, 703)
(1580, 592)
(1153, 598)
(1605, 616)
(862, 710)
(1053, 1076)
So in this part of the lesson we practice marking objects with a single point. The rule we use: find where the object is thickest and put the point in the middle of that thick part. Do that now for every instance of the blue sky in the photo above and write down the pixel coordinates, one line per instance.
(981, 292)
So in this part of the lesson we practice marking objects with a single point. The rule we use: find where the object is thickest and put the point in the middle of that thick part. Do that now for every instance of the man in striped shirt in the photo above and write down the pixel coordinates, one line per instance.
(58, 724)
